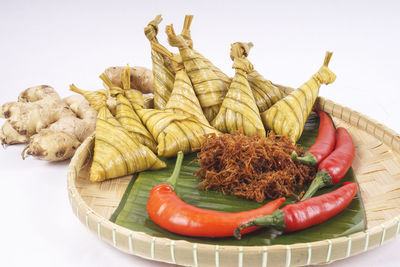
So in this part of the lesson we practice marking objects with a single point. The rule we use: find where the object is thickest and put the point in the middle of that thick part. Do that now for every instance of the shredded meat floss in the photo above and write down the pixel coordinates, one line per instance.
(254, 167)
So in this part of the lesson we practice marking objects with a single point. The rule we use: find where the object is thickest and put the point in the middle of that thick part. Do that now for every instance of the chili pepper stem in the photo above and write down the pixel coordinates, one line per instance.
(322, 179)
(175, 174)
(275, 220)
(308, 159)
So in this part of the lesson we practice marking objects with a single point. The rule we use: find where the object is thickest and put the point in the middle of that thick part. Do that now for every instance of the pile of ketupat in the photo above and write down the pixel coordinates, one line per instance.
(193, 99)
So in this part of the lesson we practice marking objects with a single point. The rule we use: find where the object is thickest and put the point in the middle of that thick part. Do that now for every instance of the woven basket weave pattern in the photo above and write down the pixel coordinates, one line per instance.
(376, 166)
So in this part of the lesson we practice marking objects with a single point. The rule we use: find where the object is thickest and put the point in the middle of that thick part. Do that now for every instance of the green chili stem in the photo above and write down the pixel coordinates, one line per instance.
(308, 159)
(322, 179)
(175, 174)
(275, 220)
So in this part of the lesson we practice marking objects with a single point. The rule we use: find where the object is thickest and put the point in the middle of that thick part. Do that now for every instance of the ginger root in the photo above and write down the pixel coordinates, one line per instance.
(41, 106)
(10, 136)
(141, 78)
(54, 127)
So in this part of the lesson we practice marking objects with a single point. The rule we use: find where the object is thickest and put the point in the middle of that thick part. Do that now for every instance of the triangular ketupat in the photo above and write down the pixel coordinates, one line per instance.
(124, 112)
(131, 122)
(209, 88)
(116, 152)
(187, 35)
(183, 99)
(96, 99)
(174, 132)
(288, 116)
(239, 110)
(163, 73)
(264, 91)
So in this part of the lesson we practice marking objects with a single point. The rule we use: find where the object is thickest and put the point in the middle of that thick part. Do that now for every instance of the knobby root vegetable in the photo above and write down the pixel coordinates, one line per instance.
(51, 146)
(9, 136)
(141, 78)
(61, 139)
(54, 127)
(37, 111)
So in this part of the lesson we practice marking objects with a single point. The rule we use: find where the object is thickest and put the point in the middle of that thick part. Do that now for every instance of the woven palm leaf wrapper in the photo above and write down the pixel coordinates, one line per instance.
(163, 73)
(239, 109)
(288, 116)
(124, 112)
(116, 151)
(96, 99)
(209, 88)
(183, 99)
(187, 36)
(264, 91)
(174, 132)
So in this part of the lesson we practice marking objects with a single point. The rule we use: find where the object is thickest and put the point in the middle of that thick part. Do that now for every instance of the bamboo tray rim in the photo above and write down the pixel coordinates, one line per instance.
(147, 246)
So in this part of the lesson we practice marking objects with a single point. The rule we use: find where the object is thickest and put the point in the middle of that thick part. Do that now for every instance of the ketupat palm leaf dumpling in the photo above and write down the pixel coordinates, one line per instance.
(209, 88)
(163, 74)
(116, 152)
(128, 118)
(264, 91)
(124, 112)
(96, 99)
(239, 110)
(174, 132)
(187, 36)
(183, 99)
(288, 116)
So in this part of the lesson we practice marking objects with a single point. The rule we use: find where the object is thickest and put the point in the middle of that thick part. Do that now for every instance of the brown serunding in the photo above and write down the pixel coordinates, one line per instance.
(253, 167)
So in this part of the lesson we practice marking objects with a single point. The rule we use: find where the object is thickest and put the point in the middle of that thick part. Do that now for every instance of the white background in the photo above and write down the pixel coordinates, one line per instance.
(58, 43)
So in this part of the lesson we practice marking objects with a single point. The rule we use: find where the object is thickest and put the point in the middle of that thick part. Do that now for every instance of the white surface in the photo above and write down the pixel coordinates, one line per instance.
(47, 42)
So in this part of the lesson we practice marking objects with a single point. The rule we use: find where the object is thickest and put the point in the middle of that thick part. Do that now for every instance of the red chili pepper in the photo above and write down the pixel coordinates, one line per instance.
(167, 210)
(324, 144)
(304, 214)
(333, 168)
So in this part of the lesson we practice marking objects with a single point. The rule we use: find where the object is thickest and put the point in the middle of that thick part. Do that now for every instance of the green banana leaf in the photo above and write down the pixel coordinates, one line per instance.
(132, 213)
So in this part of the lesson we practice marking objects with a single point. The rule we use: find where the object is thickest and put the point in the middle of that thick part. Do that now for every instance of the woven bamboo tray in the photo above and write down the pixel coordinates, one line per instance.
(376, 166)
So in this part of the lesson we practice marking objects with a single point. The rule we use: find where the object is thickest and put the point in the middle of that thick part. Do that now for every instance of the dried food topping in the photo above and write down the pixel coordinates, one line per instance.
(251, 167)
